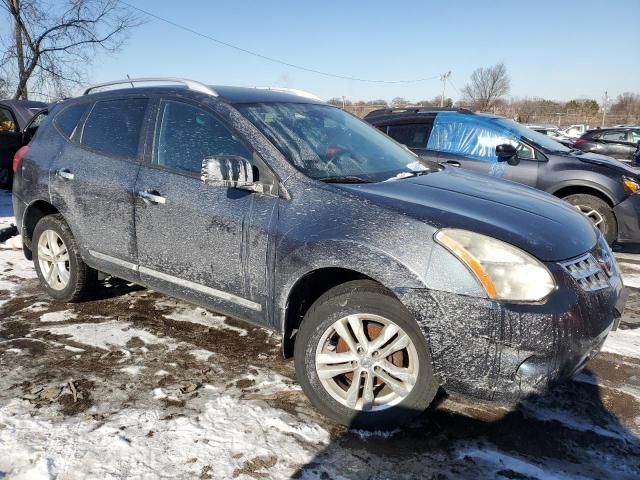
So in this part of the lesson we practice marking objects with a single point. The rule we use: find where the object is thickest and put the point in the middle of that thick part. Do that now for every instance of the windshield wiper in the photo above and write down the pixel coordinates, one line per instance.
(344, 179)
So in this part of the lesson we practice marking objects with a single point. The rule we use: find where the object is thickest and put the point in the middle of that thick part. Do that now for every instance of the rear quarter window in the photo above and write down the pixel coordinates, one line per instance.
(67, 120)
(113, 127)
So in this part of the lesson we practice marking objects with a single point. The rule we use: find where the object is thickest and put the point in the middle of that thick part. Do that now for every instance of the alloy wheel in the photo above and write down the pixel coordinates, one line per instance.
(593, 215)
(367, 362)
(53, 258)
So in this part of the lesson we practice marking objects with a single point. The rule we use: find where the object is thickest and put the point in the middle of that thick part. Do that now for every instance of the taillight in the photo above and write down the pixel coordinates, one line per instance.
(17, 158)
(578, 141)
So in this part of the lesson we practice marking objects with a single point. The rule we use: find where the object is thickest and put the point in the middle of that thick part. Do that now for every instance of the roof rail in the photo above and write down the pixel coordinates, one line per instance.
(190, 84)
(292, 91)
(414, 110)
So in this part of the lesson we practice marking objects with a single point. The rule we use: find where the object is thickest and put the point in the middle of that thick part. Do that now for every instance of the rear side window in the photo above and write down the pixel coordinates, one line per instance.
(614, 136)
(412, 135)
(635, 136)
(67, 120)
(113, 126)
(187, 135)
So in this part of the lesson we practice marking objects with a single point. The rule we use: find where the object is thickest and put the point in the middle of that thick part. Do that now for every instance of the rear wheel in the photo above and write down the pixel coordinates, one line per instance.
(59, 266)
(598, 212)
(362, 359)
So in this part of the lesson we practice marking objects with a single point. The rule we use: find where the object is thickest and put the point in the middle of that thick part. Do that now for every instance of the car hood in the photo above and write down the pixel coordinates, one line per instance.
(534, 221)
(609, 162)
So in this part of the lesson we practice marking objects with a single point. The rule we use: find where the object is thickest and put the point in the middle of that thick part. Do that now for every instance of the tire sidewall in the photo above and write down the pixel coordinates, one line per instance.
(58, 226)
(327, 311)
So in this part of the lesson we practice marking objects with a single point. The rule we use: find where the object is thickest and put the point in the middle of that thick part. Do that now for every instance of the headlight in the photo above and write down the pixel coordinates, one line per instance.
(630, 185)
(505, 272)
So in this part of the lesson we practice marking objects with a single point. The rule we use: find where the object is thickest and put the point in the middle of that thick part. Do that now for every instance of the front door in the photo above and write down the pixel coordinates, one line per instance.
(204, 243)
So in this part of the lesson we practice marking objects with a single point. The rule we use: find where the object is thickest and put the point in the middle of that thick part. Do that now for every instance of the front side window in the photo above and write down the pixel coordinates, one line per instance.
(413, 135)
(187, 135)
(113, 126)
(7, 124)
(468, 135)
(328, 144)
(635, 136)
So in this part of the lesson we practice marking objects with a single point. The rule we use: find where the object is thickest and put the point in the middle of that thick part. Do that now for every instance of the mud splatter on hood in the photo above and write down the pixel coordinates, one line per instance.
(537, 222)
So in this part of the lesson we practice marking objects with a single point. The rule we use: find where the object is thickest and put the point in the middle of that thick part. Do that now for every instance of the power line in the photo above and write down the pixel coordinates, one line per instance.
(265, 57)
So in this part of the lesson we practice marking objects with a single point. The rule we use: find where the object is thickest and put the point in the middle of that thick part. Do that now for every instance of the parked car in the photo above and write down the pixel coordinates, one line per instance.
(388, 276)
(574, 131)
(602, 188)
(618, 143)
(553, 132)
(14, 118)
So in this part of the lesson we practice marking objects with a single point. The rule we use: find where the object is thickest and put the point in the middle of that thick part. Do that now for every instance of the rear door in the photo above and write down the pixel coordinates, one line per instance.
(202, 242)
(616, 144)
(92, 182)
(10, 138)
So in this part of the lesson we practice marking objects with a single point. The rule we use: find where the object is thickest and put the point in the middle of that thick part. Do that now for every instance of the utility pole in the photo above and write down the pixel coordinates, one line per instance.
(604, 107)
(343, 100)
(443, 79)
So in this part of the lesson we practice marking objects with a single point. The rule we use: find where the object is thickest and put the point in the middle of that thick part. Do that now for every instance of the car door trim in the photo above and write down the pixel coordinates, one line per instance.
(179, 281)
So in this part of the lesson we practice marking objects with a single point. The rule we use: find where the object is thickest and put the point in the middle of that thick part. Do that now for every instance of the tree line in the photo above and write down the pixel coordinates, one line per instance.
(487, 89)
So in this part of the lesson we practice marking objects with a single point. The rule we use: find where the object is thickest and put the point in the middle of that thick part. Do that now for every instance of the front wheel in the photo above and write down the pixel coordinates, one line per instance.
(362, 360)
(598, 212)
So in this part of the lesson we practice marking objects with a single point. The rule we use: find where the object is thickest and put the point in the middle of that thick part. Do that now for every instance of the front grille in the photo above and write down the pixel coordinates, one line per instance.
(587, 272)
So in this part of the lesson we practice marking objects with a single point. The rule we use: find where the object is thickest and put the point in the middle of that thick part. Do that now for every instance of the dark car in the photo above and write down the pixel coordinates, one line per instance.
(388, 276)
(618, 143)
(602, 188)
(15, 116)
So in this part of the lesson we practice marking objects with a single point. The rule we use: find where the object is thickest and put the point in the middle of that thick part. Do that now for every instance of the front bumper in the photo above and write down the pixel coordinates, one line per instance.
(627, 215)
(498, 351)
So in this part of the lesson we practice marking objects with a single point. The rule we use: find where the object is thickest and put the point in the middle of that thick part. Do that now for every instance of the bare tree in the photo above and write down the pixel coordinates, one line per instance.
(54, 42)
(486, 86)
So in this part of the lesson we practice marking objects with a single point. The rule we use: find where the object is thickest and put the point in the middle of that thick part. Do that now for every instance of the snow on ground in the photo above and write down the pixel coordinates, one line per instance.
(623, 342)
(105, 335)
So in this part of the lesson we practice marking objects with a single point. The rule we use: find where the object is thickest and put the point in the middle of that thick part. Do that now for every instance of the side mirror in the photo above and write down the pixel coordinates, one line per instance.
(227, 171)
(507, 153)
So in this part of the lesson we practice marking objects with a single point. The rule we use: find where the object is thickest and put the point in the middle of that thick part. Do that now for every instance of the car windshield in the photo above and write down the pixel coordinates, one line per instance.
(329, 144)
(540, 139)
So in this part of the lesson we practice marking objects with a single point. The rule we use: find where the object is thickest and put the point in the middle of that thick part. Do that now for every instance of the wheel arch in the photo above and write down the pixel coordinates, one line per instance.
(571, 188)
(305, 291)
(35, 211)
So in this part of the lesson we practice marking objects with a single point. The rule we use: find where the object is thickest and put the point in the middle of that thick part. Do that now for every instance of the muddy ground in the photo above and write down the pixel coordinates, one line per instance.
(133, 384)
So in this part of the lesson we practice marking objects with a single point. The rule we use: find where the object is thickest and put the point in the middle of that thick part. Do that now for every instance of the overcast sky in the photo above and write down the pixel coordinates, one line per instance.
(558, 49)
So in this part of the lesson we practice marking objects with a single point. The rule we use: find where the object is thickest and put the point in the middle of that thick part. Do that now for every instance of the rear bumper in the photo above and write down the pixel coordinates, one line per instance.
(497, 351)
(627, 214)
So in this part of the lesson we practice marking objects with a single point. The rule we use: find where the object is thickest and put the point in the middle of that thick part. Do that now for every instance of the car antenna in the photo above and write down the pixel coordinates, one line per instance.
(132, 85)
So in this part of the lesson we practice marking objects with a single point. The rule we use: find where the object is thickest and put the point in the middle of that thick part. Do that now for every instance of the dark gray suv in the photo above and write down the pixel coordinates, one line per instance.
(388, 276)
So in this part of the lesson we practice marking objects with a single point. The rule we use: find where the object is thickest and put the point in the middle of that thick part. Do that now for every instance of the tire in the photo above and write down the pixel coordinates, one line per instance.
(371, 305)
(602, 213)
(80, 278)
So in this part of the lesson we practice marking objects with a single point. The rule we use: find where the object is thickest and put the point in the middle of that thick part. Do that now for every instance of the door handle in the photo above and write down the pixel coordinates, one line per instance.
(453, 163)
(65, 173)
(152, 197)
